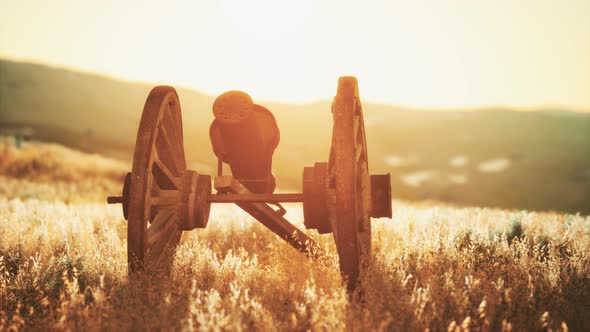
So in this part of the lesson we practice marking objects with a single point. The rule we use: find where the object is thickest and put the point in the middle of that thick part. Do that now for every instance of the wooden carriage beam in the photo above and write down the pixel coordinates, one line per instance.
(267, 216)
(255, 198)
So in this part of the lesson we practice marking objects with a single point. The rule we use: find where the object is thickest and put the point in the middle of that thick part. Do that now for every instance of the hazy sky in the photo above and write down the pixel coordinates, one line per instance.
(426, 53)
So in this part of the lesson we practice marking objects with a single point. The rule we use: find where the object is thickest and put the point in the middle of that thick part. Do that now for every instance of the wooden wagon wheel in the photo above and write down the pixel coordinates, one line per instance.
(348, 185)
(158, 167)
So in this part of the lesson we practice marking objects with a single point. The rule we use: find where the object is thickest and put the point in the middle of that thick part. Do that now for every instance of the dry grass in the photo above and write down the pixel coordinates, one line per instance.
(63, 266)
(53, 172)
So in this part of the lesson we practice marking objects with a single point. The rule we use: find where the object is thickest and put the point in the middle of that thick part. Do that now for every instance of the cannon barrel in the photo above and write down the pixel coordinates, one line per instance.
(244, 135)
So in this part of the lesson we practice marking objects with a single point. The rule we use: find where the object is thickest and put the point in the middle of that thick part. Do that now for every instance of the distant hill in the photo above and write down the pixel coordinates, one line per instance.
(522, 160)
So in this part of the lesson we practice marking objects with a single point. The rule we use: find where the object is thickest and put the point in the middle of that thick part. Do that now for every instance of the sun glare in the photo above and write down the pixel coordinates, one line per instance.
(422, 53)
(266, 19)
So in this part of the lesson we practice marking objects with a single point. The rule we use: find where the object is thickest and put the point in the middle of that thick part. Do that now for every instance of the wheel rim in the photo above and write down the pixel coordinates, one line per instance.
(349, 183)
(158, 166)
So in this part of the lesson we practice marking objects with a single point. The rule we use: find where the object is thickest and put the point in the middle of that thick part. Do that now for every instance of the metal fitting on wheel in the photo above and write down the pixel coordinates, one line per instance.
(124, 198)
(193, 208)
(381, 196)
(315, 209)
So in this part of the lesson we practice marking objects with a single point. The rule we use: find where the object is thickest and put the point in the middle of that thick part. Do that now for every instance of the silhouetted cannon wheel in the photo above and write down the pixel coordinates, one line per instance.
(158, 167)
(348, 183)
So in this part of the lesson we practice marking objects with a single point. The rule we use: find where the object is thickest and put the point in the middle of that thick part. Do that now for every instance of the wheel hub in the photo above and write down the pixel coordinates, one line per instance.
(315, 210)
(193, 206)
(381, 196)
(124, 198)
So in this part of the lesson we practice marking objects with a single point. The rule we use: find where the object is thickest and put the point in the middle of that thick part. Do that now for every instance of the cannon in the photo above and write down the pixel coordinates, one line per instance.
(161, 198)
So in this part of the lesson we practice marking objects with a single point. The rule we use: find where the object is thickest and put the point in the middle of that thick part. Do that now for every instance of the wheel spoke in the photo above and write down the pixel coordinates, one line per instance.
(358, 153)
(356, 125)
(164, 198)
(175, 131)
(166, 171)
(166, 251)
(160, 226)
(169, 145)
(163, 243)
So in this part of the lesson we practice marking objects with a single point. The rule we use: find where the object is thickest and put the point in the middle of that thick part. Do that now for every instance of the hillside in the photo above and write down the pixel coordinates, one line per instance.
(500, 158)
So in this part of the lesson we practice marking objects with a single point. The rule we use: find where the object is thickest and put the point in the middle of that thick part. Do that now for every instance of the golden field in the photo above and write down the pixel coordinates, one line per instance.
(434, 267)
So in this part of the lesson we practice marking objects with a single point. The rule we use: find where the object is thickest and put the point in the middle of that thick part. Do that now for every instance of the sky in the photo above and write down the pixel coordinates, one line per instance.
(418, 53)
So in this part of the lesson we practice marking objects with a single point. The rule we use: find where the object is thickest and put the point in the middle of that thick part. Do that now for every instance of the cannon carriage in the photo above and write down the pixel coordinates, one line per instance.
(161, 198)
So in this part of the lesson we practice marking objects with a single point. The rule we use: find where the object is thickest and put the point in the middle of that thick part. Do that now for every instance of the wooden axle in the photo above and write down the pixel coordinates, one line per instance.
(255, 198)
(115, 199)
(170, 197)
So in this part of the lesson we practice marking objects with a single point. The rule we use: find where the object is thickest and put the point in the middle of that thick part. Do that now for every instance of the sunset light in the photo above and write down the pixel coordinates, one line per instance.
(295, 165)
(423, 53)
